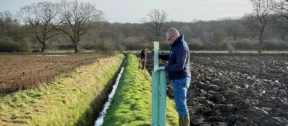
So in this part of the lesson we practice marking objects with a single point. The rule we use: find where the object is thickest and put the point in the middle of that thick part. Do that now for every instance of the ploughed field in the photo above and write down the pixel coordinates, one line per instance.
(237, 89)
(19, 72)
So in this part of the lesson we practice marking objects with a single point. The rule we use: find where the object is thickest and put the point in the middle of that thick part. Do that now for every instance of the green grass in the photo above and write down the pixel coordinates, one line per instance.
(131, 104)
(69, 100)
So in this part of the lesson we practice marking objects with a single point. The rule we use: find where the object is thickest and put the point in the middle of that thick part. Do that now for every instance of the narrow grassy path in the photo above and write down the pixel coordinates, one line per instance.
(69, 100)
(131, 105)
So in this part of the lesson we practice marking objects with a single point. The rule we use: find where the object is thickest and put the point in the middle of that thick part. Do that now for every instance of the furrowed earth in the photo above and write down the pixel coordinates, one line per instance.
(236, 89)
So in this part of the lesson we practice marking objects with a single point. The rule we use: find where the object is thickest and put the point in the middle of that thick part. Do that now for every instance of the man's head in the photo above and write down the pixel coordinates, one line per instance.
(172, 35)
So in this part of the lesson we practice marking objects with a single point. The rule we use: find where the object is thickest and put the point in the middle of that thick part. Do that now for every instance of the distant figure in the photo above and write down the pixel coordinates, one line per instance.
(143, 58)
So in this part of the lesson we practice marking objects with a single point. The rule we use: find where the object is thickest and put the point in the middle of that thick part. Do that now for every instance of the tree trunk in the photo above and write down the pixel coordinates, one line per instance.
(76, 47)
(261, 41)
(43, 47)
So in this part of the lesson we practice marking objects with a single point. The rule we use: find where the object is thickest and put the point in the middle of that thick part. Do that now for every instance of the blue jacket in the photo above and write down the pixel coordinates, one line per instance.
(178, 60)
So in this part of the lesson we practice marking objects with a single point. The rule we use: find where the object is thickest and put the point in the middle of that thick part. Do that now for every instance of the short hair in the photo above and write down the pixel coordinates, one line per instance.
(172, 31)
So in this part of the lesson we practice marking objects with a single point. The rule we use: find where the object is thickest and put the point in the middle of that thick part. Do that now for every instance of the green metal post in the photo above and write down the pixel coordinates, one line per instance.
(155, 95)
(158, 92)
(155, 87)
(156, 55)
(162, 96)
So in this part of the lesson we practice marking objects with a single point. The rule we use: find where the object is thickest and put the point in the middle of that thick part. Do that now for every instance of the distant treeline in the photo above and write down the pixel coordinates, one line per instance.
(84, 27)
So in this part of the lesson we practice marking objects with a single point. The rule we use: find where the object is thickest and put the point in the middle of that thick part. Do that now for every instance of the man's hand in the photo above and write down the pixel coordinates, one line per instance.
(161, 68)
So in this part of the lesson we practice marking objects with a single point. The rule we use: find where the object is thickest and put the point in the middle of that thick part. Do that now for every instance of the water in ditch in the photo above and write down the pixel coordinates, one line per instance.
(100, 119)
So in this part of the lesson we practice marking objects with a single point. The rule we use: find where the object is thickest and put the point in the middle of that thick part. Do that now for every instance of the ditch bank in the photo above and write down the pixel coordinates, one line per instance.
(72, 99)
(132, 102)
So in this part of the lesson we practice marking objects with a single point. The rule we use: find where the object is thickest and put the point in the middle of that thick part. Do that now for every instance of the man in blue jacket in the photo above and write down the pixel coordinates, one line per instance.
(179, 73)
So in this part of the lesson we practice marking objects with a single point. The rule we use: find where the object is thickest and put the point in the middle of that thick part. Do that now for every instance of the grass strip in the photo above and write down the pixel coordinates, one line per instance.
(131, 104)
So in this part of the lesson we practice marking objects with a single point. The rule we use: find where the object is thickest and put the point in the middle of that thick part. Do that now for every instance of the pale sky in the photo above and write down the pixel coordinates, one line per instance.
(134, 10)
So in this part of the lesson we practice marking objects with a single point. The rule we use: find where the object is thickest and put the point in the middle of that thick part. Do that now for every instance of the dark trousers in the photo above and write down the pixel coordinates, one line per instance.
(143, 63)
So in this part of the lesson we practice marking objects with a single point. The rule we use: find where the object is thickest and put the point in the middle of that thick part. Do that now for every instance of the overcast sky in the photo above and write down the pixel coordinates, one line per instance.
(134, 10)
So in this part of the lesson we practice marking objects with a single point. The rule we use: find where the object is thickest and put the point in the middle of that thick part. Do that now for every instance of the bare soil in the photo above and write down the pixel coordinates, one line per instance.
(237, 89)
(19, 72)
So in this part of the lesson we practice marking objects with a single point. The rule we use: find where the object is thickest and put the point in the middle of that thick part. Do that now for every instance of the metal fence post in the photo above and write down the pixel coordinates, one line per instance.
(158, 91)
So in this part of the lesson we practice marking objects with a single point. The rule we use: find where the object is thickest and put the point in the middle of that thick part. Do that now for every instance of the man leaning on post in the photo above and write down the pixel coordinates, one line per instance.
(179, 73)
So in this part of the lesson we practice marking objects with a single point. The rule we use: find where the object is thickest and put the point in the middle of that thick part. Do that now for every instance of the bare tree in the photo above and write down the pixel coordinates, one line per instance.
(6, 23)
(77, 18)
(155, 21)
(232, 28)
(200, 29)
(281, 8)
(41, 18)
(281, 23)
(260, 18)
(280, 27)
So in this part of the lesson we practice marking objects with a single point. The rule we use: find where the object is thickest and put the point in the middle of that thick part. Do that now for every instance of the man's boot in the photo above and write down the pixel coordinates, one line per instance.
(184, 120)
